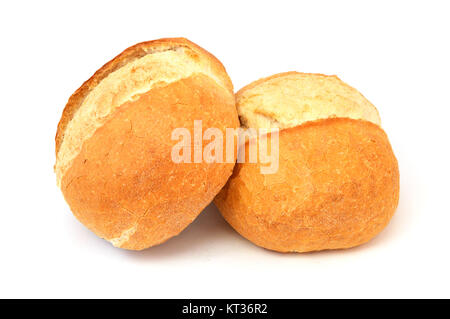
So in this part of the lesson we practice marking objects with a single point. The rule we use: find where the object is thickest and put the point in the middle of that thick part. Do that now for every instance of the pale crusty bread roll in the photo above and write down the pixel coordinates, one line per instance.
(113, 143)
(337, 185)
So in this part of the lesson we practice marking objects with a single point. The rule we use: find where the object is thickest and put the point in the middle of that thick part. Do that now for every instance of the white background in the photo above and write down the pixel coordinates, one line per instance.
(396, 53)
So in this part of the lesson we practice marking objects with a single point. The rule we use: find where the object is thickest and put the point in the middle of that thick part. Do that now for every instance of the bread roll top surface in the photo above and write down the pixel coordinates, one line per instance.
(290, 99)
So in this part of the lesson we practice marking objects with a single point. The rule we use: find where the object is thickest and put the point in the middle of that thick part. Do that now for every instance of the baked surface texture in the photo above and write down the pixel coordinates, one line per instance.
(290, 99)
(113, 144)
(337, 185)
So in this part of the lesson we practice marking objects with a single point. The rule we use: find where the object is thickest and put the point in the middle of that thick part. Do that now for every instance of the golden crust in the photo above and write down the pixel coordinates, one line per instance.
(130, 54)
(122, 183)
(337, 187)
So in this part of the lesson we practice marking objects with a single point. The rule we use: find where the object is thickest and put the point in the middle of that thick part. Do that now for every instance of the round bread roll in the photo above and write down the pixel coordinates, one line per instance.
(337, 185)
(114, 142)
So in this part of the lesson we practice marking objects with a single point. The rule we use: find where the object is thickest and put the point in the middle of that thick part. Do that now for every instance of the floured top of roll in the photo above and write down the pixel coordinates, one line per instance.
(290, 99)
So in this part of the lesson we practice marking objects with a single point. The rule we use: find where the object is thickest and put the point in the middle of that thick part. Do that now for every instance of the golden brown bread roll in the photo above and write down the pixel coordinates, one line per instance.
(113, 143)
(337, 185)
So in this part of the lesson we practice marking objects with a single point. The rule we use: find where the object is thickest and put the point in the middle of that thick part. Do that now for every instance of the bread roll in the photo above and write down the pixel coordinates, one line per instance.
(113, 143)
(337, 185)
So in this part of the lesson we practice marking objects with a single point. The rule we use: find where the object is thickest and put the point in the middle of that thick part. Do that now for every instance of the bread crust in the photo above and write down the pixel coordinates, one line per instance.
(123, 183)
(337, 187)
(128, 55)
